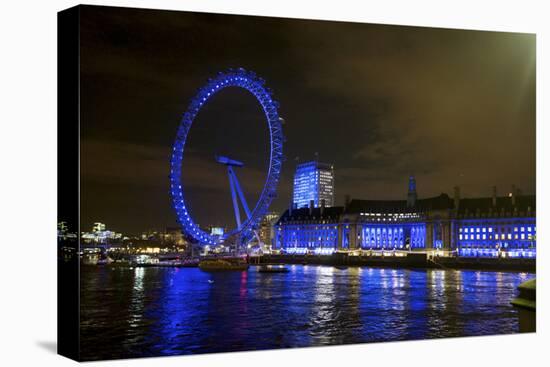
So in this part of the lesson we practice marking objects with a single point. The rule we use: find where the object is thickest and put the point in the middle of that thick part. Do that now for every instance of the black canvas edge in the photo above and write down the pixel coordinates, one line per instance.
(68, 181)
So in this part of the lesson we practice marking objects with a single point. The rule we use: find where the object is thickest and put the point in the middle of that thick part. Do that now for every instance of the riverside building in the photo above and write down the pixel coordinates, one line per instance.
(266, 232)
(444, 226)
(313, 181)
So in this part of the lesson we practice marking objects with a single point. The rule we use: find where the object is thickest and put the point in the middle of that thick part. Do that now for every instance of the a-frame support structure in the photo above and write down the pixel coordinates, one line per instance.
(236, 190)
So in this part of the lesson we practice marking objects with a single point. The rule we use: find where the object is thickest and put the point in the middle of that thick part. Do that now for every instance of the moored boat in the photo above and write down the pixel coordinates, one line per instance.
(222, 265)
(273, 269)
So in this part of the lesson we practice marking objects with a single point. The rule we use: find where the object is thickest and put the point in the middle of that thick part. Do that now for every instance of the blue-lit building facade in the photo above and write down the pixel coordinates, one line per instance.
(489, 227)
(309, 230)
(496, 227)
(313, 181)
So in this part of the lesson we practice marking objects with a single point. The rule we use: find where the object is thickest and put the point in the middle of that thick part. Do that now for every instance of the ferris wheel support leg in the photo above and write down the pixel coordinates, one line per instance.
(240, 193)
(234, 197)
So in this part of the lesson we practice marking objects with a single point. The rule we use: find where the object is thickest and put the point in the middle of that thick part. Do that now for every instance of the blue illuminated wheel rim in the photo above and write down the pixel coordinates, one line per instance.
(255, 85)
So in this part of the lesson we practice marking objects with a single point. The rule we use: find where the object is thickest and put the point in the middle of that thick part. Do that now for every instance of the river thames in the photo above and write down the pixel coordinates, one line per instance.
(139, 312)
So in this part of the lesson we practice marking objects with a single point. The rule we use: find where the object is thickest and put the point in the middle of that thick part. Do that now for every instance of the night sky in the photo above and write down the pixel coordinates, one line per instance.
(452, 107)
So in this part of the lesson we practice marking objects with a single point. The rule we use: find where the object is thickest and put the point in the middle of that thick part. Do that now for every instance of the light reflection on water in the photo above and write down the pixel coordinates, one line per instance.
(166, 311)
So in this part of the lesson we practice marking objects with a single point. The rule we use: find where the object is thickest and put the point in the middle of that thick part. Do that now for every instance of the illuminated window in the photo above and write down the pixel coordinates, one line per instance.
(509, 236)
(484, 236)
(466, 230)
(459, 237)
(523, 229)
(484, 230)
(477, 229)
(490, 229)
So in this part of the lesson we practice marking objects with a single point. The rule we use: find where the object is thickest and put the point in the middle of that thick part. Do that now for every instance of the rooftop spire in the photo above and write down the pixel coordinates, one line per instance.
(411, 196)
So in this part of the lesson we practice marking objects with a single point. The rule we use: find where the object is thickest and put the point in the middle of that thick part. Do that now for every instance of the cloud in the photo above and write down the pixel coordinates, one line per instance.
(143, 165)
(452, 106)
(380, 102)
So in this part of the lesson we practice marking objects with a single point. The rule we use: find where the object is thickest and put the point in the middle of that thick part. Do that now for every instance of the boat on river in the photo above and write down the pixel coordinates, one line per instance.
(273, 269)
(222, 265)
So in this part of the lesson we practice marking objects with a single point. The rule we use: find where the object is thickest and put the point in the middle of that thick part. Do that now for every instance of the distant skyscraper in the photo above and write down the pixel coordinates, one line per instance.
(99, 227)
(313, 181)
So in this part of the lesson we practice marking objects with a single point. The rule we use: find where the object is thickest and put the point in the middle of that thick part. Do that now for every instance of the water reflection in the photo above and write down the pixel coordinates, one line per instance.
(136, 305)
(164, 311)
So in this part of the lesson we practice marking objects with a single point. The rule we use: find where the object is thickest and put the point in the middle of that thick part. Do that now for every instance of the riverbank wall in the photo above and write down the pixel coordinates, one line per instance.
(410, 261)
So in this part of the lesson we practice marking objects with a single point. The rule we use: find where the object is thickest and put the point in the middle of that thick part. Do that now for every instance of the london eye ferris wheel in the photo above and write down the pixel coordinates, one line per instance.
(245, 229)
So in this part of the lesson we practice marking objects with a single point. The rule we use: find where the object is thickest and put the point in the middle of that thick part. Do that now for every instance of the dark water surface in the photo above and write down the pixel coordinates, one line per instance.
(168, 311)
